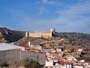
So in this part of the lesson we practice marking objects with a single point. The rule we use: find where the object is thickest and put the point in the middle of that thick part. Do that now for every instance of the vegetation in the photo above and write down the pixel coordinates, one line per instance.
(28, 63)
(5, 65)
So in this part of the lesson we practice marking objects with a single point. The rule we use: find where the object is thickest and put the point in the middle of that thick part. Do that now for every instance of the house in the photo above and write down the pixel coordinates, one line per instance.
(49, 64)
(59, 51)
(78, 66)
(88, 66)
(34, 45)
(80, 50)
(82, 61)
(21, 67)
(70, 58)
(68, 65)
(57, 65)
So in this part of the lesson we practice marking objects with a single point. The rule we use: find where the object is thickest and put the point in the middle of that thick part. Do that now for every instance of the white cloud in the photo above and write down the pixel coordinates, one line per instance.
(41, 10)
(51, 2)
(77, 9)
(45, 1)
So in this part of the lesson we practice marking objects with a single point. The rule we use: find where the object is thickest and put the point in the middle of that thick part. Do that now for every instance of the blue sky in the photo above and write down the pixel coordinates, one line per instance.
(41, 15)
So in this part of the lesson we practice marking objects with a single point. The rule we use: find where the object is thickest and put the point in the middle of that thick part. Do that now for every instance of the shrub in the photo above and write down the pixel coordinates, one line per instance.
(28, 63)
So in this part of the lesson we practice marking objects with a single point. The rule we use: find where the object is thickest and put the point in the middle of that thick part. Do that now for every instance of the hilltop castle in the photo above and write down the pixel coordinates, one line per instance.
(41, 34)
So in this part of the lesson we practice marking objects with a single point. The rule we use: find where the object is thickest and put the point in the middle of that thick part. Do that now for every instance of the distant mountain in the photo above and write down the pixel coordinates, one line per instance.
(75, 38)
(7, 35)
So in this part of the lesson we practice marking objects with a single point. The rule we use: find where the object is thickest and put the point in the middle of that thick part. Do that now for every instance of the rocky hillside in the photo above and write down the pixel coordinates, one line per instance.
(7, 35)
(71, 40)
(76, 38)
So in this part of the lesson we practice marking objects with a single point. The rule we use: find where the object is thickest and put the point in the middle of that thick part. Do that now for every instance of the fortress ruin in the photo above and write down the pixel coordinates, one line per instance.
(41, 34)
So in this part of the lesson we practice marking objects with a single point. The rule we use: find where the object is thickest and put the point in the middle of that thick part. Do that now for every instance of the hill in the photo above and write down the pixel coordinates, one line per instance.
(13, 35)
(75, 38)
(7, 35)
(72, 41)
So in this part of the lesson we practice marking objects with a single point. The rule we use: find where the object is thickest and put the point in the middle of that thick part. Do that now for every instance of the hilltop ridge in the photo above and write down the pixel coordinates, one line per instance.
(8, 35)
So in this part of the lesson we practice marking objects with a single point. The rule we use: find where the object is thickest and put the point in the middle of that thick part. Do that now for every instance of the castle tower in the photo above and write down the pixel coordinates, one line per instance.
(52, 31)
(27, 34)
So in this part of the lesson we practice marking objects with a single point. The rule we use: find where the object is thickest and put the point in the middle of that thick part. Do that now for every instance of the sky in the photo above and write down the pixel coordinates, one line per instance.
(41, 15)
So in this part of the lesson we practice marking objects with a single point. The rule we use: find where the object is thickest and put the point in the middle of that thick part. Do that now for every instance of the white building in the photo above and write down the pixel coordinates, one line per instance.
(71, 58)
(48, 63)
(78, 66)
(80, 50)
(6, 46)
(34, 46)
(88, 66)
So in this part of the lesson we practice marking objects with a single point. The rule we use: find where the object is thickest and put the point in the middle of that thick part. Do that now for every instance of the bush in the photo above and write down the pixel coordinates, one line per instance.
(28, 63)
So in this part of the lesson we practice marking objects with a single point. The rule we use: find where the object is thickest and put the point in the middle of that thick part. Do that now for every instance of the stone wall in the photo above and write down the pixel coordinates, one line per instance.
(2, 57)
(9, 57)
(12, 56)
(40, 57)
(41, 34)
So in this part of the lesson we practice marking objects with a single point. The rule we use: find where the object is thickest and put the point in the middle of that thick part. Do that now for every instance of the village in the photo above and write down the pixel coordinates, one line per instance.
(56, 57)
